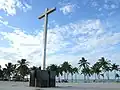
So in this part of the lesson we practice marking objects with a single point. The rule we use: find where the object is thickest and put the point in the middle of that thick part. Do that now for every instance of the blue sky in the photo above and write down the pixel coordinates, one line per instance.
(78, 28)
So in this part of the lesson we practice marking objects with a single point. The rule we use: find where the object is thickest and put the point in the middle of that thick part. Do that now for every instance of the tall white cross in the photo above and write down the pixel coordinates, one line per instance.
(45, 14)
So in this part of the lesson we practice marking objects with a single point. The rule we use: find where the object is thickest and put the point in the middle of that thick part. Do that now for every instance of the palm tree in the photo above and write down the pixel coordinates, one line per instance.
(9, 70)
(115, 68)
(52, 67)
(0, 67)
(102, 76)
(1, 72)
(107, 69)
(33, 68)
(66, 68)
(71, 70)
(14, 69)
(105, 65)
(22, 68)
(59, 72)
(88, 72)
(15, 72)
(5, 73)
(117, 76)
(75, 71)
(84, 72)
(96, 70)
(83, 64)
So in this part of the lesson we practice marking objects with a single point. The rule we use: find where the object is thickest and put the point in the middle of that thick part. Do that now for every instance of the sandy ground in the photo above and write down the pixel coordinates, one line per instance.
(70, 86)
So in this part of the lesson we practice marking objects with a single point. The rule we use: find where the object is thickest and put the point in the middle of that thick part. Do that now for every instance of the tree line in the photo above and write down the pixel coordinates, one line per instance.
(17, 71)
(99, 69)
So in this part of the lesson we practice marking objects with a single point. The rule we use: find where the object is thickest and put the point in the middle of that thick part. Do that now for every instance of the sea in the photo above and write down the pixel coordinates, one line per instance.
(93, 81)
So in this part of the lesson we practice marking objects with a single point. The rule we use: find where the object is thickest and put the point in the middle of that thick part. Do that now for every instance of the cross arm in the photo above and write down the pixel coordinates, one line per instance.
(47, 12)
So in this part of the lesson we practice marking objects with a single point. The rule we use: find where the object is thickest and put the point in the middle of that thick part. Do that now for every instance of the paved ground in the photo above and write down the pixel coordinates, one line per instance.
(91, 86)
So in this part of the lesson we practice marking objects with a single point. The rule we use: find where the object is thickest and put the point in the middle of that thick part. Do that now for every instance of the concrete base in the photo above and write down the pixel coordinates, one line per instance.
(32, 78)
(52, 78)
(42, 78)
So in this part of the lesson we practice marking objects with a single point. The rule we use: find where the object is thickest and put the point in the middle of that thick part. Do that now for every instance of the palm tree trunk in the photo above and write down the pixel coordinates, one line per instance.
(84, 78)
(103, 77)
(72, 77)
(67, 75)
(87, 78)
(95, 76)
(64, 75)
(59, 78)
(115, 74)
(75, 77)
(9, 78)
(98, 75)
(23, 78)
(108, 75)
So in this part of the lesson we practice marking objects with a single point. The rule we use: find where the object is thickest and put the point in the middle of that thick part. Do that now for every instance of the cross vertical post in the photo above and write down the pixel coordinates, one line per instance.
(45, 15)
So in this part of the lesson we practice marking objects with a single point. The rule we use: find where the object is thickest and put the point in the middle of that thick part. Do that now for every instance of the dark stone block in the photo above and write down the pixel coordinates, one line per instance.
(32, 78)
(42, 78)
(52, 78)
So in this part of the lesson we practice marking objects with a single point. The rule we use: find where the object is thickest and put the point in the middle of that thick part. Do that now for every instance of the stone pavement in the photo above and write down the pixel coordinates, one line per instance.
(8, 85)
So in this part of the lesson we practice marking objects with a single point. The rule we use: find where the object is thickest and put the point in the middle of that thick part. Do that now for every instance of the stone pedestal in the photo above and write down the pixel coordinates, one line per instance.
(52, 78)
(32, 78)
(42, 78)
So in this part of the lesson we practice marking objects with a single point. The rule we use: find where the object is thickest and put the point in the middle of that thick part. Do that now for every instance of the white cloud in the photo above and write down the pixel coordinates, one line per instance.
(68, 42)
(68, 8)
(3, 62)
(106, 4)
(102, 6)
(4, 22)
(10, 6)
(1, 17)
